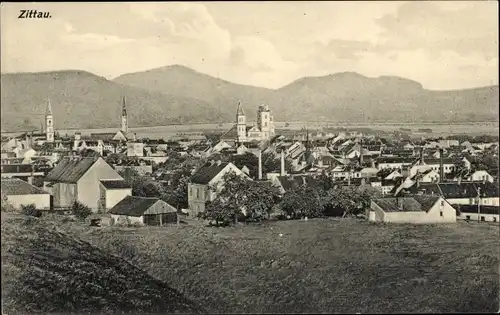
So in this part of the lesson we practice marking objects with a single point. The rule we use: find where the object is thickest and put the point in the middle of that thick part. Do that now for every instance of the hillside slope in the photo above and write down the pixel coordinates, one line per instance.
(176, 94)
(84, 100)
(46, 271)
(346, 96)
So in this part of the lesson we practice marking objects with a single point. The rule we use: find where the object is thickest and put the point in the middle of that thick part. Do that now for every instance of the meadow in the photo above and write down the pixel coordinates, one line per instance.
(316, 266)
(47, 271)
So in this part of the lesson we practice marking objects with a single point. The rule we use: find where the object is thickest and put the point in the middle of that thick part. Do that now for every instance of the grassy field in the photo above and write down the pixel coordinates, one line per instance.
(322, 265)
(47, 271)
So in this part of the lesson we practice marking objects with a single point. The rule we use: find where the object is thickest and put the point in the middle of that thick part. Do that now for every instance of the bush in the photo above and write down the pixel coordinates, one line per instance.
(6, 206)
(31, 210)
(80, 210)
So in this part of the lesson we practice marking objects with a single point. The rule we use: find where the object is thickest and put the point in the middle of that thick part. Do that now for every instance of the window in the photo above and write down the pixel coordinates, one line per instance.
(494, 219)
(441, 213)
(467, 217)
(482, 219)
(442, 203)
(197, 194)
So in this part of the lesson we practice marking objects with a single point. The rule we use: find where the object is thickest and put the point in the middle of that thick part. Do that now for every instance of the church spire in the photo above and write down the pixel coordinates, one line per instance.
(124, 107)
(239, 111)
(48, 110)
(124, 126)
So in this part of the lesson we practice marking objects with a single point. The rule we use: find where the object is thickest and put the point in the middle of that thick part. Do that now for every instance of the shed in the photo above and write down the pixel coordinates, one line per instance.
(142, 210)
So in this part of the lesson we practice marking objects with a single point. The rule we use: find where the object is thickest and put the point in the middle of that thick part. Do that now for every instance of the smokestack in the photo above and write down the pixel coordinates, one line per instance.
(361, 152)
(422, 155)
(260, 164)
(441, 168)
(283, 172)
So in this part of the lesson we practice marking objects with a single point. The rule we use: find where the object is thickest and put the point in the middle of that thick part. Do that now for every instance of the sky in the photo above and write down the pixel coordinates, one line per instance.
(443, 45)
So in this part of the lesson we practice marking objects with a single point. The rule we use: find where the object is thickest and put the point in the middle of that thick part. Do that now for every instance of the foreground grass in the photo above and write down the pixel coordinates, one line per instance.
(323, 266)
(47, 271)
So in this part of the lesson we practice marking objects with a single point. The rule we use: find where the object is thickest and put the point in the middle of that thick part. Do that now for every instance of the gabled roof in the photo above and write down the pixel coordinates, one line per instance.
(406, 204)
(454, 190)
(16, 186)
(291, 182)
(115, 184)
(207, 172)
(134, 206)
(230, 134)
(105, 136)
(70, 170)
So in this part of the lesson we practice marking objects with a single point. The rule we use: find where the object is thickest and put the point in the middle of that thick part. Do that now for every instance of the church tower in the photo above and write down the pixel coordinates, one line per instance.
(241, 125)
(124, 127)
(49, 123)
(264, 122)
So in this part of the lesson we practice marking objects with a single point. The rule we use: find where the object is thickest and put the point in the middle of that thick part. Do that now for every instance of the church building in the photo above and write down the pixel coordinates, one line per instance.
(263, 129)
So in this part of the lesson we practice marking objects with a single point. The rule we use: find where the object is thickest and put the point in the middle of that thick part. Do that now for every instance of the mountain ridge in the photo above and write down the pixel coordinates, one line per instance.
(178, 94)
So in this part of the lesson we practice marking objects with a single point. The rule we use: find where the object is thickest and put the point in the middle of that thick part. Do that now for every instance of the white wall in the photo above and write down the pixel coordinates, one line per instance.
(114, 196)
(88, 185)
(41, 201)
(124, 220)
(493, 201)
(474, 217)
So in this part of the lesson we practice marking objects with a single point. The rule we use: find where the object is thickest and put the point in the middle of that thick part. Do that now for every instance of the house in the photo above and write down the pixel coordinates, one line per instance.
(393, 162)
(286, 183)
(78, 179)
(462, 193)
(209, 175)
(142, 211)
(135, 149)
(111, 192)
(417, 209)
(483, 213)
(480, 176)
(19, 192)
(26, 172)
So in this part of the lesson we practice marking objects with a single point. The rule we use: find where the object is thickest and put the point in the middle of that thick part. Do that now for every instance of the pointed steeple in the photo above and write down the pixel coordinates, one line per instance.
(239, 111)
(48, 110)
(124, 107)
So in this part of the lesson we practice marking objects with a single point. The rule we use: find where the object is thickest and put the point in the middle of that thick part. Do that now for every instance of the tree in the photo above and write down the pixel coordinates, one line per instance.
(178, 197)
(240, 197)
(80, 211)
(349, 200)
(145, 186)
(301, 202)
(31, 210)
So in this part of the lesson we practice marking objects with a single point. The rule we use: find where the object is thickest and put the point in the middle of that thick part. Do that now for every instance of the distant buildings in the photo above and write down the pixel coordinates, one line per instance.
(262, 130)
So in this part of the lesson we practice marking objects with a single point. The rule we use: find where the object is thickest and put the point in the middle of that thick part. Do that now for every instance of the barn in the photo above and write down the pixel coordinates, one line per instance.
(143, 211)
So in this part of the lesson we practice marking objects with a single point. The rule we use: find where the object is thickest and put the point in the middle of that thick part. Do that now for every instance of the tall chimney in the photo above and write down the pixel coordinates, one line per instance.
(283, 172)
(361, 153)
(441, 168)
(260, 164)
(422, 155)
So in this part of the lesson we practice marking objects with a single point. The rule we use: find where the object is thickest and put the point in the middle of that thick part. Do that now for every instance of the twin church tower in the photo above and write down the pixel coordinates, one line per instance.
(263, 130)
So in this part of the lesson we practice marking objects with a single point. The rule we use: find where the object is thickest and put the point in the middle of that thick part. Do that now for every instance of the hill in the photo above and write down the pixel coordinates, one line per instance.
(176, 94)
(47, 271)
(84, 100)
(344, 96)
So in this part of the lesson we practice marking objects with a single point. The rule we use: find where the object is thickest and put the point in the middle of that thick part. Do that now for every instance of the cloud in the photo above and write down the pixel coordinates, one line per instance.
(469, 29)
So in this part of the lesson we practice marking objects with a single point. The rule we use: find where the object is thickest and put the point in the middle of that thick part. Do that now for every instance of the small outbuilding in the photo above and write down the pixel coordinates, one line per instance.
(143, 211)
(18, 193)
